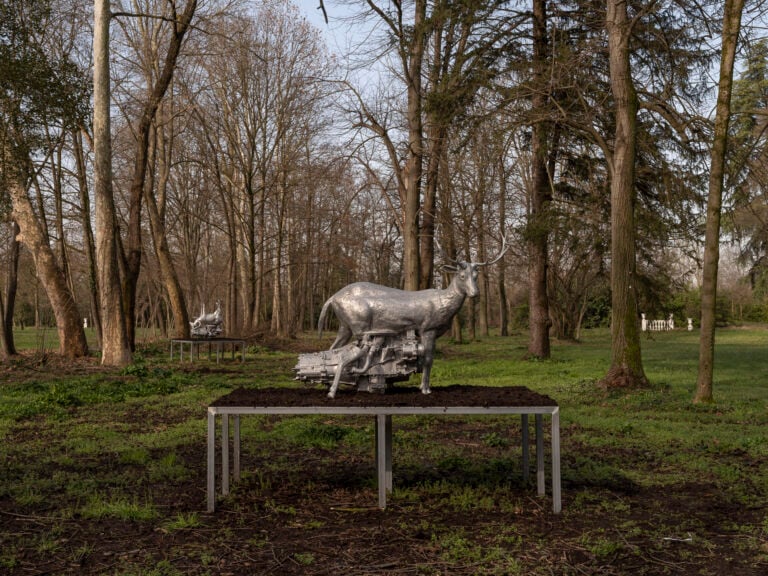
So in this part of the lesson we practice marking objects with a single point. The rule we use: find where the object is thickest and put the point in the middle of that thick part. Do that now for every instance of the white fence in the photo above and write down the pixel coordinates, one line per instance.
(662, 325)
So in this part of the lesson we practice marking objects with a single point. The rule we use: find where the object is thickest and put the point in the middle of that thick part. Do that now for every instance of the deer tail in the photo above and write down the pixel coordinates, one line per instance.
(321, 320)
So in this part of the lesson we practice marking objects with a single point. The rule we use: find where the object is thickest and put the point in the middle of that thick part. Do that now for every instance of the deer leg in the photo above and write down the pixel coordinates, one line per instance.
(344, 336)
(345, 358)
(336, 380)
(428, 343)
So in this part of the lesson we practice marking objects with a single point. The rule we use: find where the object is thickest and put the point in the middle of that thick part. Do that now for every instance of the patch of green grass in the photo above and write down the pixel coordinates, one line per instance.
(304, 558)
(183, 521)
(601, 545)
(121, 508)
(135, 455)
(9, 558)
(168, 469)
(311, 432)
(455, 547)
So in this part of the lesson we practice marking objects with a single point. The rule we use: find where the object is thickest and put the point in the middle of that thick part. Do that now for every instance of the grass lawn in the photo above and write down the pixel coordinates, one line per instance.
(102, 471)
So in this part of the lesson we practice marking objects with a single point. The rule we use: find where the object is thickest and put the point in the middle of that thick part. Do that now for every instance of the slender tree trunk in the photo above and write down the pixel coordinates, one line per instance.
(502, 285)
(88, 242)
(414, 158)
(156, 210)
(260, 275)
(6, 336)
(132, 257)
(116, 349)
(61, 239)
(731, 26)
(626, 361)
(72, 341)
(538, 225)
(8, 304)
(427, 247)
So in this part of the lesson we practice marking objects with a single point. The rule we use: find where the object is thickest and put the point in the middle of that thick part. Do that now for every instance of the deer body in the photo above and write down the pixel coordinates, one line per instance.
(364, 307)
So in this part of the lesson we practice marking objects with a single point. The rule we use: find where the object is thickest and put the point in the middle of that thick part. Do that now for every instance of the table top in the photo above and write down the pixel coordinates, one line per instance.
(202, 340)
(399, 399)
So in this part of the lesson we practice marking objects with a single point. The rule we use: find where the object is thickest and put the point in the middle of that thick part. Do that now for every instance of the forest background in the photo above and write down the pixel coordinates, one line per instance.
(228, 153)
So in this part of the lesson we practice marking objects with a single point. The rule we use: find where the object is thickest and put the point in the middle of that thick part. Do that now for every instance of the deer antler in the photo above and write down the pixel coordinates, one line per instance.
(503, 251)
(443, 254)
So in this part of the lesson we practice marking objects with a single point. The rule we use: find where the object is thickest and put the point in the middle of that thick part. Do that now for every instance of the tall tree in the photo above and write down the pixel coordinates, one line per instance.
(730, 36)
(116, 347)
(155, 196)
(38, 89)
(540, 194)
(89, 246)
(626, 361)
(158, 79)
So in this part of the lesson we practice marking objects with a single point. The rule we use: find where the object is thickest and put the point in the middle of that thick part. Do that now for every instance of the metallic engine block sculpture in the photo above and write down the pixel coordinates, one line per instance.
(372, 362)
(379, 317)
(208, 325)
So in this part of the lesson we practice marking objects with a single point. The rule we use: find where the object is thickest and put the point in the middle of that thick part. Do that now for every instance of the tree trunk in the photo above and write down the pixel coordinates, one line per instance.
(538, 223)
(502, 285)
(61, 239)
(731, 25)
(88, 243)
(413, 163)
(427, 248)
(8, 304)
(176, 301)
(626, 361)
(132, 257)
(116, 349)
(72, 343)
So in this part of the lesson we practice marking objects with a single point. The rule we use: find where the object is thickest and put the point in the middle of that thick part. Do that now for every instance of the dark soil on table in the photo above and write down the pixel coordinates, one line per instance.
(457, 395)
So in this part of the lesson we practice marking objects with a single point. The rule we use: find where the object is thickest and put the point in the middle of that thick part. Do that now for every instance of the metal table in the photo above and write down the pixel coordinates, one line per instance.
(219, 344)
(383, 439)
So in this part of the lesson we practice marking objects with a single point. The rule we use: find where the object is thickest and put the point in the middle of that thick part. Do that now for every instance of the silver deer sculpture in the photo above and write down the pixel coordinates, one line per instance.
(364, 307)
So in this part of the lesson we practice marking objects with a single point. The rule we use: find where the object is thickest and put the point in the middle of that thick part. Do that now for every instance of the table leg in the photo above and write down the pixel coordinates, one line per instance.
(236, 448)
(383, 457)
(388, 454)
(556, 503)
(526, 447)
(539, 455)
(211, 461)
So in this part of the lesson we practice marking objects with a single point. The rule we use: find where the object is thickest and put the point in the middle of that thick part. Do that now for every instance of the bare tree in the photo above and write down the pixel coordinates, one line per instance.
(730, 36)
(116, 347)
(171, 26)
